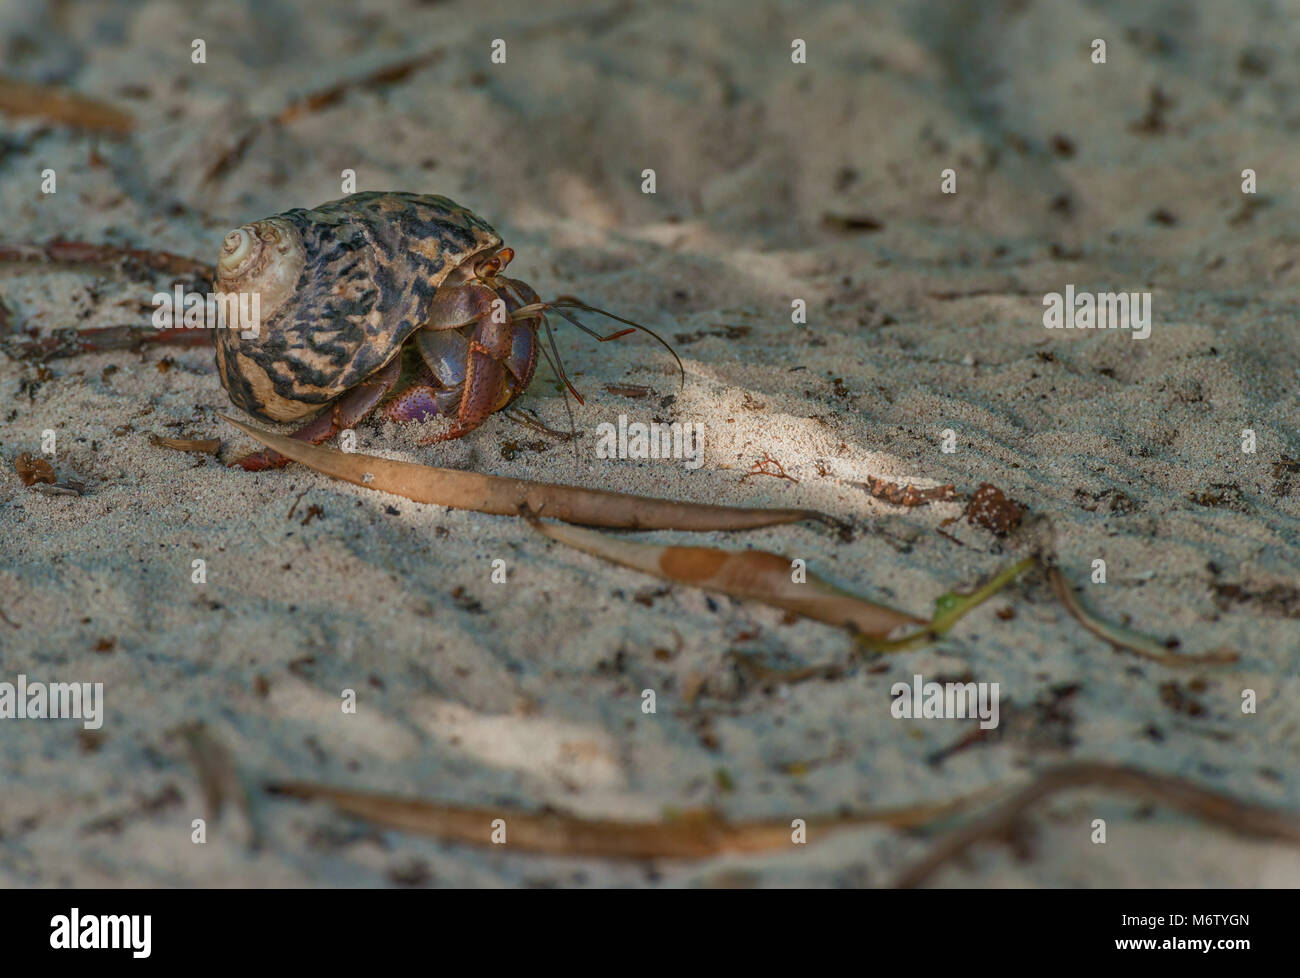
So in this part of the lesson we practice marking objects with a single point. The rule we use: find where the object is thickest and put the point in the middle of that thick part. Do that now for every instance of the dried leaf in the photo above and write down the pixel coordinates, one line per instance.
(504, 497)
(61, 106)
(208, 446)
(755, 574)
(32, 470)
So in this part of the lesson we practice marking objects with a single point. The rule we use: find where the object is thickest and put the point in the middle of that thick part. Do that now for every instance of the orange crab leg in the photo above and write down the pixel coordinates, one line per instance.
(499, 354)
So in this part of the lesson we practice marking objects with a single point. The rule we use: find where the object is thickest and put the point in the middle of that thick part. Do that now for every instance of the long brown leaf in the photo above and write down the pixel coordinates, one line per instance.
(702, 834)
(692, 835)
(756, 574)
(504, 497)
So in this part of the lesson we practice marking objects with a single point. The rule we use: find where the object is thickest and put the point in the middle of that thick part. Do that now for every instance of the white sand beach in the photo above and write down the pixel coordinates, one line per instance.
(775, 181)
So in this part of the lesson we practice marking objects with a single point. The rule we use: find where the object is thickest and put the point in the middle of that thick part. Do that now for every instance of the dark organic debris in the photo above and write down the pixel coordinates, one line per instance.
(1221, 495)
(991, 509)
(33, 470)
(851, 223)
(724, 331)
(1116, 501)
(1280, 600)
(512, 449)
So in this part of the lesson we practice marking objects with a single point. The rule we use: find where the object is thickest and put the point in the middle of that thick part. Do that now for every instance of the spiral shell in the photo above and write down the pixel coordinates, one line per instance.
(341, 287)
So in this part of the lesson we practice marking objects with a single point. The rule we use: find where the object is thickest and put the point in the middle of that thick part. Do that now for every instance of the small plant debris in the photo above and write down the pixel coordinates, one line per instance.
(767, 465)
(635, 391)
(466, 601)
(909, 495)
(62, 106)
(1221, 495)
(512, 449)
(1280, 600)
(851, 223)
(208, 446)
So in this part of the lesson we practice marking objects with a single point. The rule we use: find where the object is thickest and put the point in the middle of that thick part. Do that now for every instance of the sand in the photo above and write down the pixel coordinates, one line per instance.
(775, 182)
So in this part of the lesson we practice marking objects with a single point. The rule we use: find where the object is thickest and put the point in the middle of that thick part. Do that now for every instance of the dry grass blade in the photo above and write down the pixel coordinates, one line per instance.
(61, 106)
(218, 777)
(504, 497)
(208, 446)
(1127, 638)
(692, 835)
(1223, 811)
(755, 574)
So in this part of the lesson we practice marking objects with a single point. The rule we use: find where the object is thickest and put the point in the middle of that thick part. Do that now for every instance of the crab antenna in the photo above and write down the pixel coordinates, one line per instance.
(555, 365)
(575, 303)
(532, 312)
(569, 302)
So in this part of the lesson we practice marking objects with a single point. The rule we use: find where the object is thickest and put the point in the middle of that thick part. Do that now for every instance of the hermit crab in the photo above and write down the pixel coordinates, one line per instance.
(395, 301)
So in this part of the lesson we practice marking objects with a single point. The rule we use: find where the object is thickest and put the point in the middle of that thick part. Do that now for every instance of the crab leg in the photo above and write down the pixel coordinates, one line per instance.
(428, 394)
(490, 365)
(345, 412)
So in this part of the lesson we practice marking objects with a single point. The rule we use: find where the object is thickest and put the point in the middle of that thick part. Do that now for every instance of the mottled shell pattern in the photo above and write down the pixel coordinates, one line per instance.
(341, 287)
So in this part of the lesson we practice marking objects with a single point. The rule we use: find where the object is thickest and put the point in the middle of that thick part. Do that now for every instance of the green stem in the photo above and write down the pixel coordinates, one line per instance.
(949, 609)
